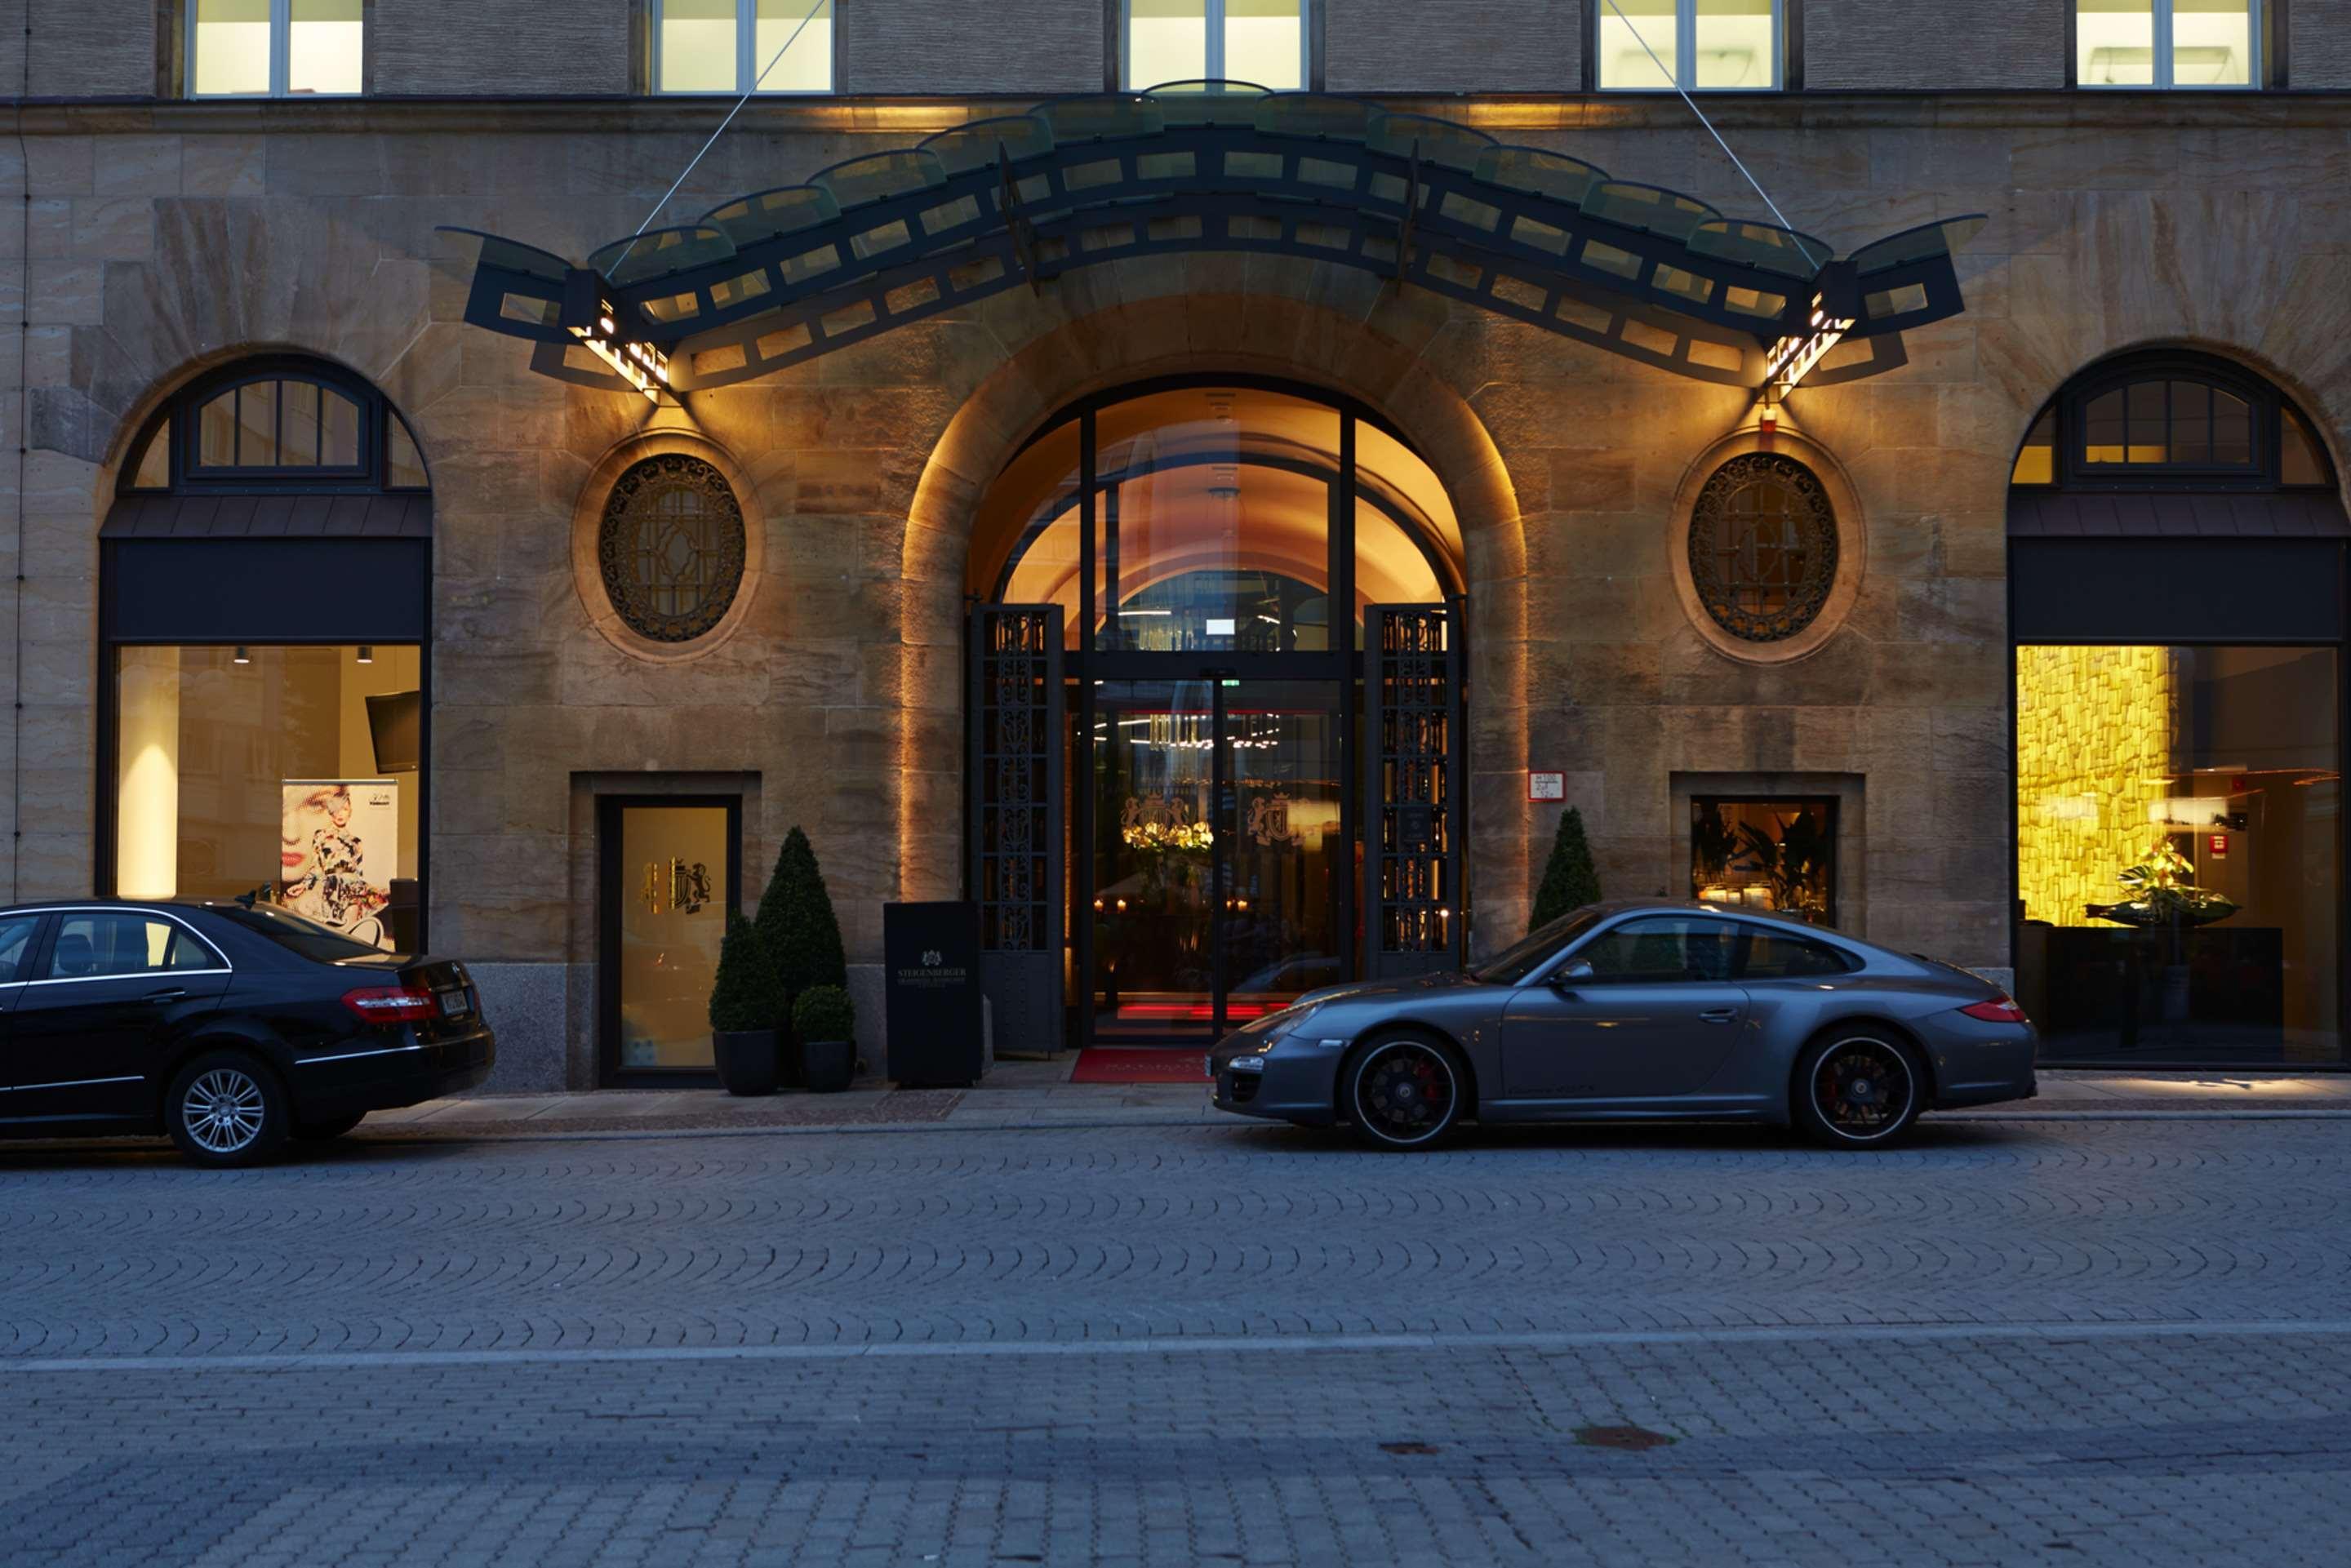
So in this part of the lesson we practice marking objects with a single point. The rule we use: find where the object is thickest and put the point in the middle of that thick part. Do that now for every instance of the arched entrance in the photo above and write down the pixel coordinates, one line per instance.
(1216, 722)
(2176, 550)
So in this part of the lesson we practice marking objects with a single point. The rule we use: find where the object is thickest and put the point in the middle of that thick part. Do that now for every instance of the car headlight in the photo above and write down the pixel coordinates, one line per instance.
(1246, 1064)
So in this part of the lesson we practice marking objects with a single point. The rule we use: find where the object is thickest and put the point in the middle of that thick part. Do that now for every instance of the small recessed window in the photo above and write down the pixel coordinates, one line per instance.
(1717, 45)
(2167, 43)
(742, 46)
(1258, 41)
(275, 48)
(2167, 424)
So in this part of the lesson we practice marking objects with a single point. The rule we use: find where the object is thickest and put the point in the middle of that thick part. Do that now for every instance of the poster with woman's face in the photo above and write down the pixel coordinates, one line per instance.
(338, 847)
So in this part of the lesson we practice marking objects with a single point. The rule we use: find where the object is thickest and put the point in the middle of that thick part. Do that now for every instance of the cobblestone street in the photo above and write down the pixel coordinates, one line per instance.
(2060, 1340)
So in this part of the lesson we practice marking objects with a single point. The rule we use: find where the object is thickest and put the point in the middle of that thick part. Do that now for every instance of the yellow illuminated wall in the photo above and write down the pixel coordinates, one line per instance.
(2096, 730)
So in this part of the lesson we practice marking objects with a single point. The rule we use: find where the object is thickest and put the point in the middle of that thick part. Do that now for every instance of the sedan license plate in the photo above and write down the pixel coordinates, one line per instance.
(455, 1004)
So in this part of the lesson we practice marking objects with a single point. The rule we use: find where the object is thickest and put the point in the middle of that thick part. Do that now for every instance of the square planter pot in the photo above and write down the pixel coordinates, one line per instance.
(828, 1065)
(746, 1061)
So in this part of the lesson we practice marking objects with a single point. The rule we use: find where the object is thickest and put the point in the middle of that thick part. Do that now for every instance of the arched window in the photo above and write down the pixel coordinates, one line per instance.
(275, 424)
(2172, 421)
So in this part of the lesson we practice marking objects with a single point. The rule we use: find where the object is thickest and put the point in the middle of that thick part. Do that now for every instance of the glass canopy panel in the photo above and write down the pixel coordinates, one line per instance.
(1544, 174)
(1167, 40)
(1208, 102)
(1103, 118)
(793, 42)
(766, 214)
(1439, 142)
(1651, 208)
(1942, 238)
(699, 44)
(232, 48)
(657, 253)
(1638, 44)
(324, 48)
(1734, 45)
(881, 175)
(1265, 43)
(1783, 251)
(2114, 43)
(979, 144)
(1315, 114)
(2211, 43)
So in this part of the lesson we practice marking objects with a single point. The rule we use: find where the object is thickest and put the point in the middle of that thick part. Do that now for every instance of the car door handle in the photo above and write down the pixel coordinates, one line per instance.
(1720, 1015)
(168, 994)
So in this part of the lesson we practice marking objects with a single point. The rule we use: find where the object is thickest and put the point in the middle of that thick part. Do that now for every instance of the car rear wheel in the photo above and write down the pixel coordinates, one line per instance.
(1404, 1092)
(1858, 1090)
(225, 1108)
(326, 1131)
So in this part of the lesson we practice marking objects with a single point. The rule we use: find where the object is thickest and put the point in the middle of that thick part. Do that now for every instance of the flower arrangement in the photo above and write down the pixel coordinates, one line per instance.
(2162, 890)
(1158, 835)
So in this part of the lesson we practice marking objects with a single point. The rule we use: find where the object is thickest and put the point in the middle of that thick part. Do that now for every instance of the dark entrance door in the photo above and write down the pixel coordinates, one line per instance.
(1216, 881)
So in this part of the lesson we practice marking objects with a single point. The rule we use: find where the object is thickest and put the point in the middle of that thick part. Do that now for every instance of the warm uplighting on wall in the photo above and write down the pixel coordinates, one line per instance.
(2096, 730)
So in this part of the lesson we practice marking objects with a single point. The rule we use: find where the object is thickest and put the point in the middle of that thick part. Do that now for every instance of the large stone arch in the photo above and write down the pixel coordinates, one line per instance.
(1226, 333)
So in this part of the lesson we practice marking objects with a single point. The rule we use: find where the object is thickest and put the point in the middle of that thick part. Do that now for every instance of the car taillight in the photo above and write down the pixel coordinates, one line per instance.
(393, 1004)
(1999, 1010)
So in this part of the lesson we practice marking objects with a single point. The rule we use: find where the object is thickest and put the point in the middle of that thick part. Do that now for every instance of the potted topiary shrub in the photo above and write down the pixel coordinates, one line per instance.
(802, 936)
(744, 1001)
(1569, 881)
(825, 1023)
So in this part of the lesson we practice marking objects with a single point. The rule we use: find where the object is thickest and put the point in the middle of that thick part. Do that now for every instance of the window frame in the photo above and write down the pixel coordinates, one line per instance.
(747, 61)
(2264, 39)
(281, 56)
(176, 423)
(1685, 63)
(1213, 19)
(2269, 402)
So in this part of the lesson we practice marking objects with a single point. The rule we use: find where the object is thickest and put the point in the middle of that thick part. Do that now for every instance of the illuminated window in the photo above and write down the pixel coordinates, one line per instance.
(274, 48)
(1720, 46)
(743, 45)
(2172, 420)
(2167, 43)
(1258, 41)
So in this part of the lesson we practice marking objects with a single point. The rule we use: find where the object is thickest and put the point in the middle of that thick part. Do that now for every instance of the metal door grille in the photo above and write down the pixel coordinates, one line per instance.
(1413, 813)
(1016, 816)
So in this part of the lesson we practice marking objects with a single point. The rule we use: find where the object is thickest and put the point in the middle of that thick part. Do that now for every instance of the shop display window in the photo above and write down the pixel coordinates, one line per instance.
(2179, 853)
(1777, 855)
(291, 774)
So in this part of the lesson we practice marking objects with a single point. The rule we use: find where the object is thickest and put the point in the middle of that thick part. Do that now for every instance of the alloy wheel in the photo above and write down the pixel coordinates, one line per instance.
(1862, 1089)
(1406, 1092)
(224, 1110)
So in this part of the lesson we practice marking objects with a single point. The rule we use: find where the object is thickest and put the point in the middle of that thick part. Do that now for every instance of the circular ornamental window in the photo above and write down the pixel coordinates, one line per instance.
(671, 546)
(1763, 547)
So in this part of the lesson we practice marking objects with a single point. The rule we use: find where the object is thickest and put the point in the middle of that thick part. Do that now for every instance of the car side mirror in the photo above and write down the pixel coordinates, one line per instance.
(1573, 974)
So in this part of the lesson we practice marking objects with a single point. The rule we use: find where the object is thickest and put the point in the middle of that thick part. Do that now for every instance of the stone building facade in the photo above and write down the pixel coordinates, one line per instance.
(165, 238)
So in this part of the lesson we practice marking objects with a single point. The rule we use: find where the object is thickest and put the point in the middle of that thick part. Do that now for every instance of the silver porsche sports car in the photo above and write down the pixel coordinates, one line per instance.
(1642, 1011)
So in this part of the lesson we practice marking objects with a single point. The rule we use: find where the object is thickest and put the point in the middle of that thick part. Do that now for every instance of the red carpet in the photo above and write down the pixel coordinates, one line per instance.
(1142, 1065)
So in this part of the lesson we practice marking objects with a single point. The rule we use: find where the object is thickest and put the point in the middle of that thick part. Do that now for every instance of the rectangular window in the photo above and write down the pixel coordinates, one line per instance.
(291, 773)
(1258, 41)
(743, 45)
(2178, 859)
(275, 48)
(1777, 855)
(1704, 46)
(2167, 43)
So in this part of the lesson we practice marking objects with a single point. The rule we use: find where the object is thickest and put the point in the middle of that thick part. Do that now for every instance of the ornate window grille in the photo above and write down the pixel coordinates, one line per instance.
(1763, 547)
(672, 547)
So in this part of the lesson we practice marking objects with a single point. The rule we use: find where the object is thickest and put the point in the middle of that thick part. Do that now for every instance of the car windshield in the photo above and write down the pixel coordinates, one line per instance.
(295, 933)
(1515, 963)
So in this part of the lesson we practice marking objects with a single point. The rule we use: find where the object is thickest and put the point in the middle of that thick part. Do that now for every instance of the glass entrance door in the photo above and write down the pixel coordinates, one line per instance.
(1220, 861)
(670, 870)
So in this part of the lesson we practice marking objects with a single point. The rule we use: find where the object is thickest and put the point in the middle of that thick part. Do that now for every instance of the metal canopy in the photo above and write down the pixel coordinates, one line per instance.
(783, 276)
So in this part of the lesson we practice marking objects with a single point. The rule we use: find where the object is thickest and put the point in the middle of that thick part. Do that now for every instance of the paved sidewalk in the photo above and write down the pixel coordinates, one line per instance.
(1019, 1094)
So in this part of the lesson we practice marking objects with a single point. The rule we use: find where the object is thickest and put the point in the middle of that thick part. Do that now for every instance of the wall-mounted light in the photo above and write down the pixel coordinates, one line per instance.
(241, 656)
(367, 654)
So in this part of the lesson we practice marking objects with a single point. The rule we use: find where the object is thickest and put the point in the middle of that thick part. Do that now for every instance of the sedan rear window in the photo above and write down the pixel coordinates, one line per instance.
(295, 933)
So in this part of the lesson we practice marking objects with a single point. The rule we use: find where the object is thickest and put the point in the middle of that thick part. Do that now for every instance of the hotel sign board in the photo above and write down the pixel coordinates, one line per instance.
(930, 961)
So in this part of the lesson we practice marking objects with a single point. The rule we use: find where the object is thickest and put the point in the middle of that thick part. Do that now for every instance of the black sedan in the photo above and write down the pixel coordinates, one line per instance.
(231, 1026)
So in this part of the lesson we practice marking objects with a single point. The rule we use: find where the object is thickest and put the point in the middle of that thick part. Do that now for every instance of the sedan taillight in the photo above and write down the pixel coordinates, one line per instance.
(1999, 1010)
(393, 1004)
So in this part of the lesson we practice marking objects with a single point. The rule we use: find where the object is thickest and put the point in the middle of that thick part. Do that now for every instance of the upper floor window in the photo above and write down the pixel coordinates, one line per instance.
(2171, 421)
(2167, 43)
(742, 46)
(274, 48)
(1259, 41)
(275, 424)
(1725, 46)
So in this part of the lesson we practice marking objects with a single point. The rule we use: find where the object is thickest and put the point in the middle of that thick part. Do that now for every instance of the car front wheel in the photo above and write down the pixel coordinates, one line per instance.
(1859, 1089)
(225, 1108)
(1404, 1093)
